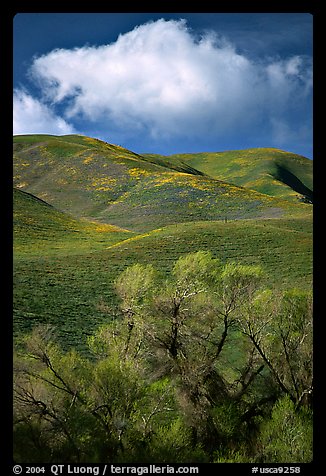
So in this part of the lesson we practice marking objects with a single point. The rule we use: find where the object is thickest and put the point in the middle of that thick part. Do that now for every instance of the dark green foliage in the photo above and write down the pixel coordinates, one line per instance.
(287, 436)
(285, 176)
(191, 371)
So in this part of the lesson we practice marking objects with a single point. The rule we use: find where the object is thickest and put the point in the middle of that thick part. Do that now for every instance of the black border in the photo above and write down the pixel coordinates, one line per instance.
(7, 14)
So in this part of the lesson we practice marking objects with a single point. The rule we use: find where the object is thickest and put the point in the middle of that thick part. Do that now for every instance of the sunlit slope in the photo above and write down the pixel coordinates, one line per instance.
(76, 174)
(270, 171)
(39, 227)
(176, 197)
(283, 246)
(90, 178)
(76, 196)
(75, 292)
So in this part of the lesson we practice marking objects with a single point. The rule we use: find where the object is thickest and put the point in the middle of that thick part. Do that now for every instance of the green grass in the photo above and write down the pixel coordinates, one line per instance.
(171, 198)
(101, 208)
(76, 174)
(281, 246)
(99, 181)
(74, 291)
(271, 171)
(40, 228)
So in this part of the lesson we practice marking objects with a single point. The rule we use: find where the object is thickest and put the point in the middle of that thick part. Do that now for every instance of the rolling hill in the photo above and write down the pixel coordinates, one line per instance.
(95, 180)
(70, 284)
(270, 171)
(38, 227)
(85, 209)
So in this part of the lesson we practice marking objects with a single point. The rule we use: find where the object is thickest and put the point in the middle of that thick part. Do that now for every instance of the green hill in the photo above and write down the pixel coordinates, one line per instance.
(73, 288)
(39, 227)
(92, 179)
(85, 209)
(266, 170)
(76, 174)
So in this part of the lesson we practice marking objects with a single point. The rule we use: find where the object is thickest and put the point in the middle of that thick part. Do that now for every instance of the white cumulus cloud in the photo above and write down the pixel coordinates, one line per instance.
(30, 116)
(162, 80)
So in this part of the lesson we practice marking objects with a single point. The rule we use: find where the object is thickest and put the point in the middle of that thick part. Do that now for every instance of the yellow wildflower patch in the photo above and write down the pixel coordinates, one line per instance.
(90, 140)
(103, 184)
(45, 152)
(62, 181)
(102, 228)
(135, 172)
(87, 160)
(182, 179)
(185, 180)
(134, 238)
(122, 158)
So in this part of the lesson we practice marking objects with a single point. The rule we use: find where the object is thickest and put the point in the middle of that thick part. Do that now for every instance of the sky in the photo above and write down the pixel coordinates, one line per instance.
(167, 82)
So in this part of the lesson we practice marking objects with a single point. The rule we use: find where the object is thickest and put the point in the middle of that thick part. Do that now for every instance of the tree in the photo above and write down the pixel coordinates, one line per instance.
(190, 321)
(50, 402)
(186, 322)
(287, 436)
(200, 357)
(133, 286)
(280, 329)
(70, 409)
(77, 410)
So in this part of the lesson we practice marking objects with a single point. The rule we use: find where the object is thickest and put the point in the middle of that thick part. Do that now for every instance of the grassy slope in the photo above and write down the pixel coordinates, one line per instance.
(74, 291)
(65, 267)
(266, 170)
(76, 174)
(39, 227)
(93, 179)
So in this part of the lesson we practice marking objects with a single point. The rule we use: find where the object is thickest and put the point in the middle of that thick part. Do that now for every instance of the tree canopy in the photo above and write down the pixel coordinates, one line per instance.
(203, 364)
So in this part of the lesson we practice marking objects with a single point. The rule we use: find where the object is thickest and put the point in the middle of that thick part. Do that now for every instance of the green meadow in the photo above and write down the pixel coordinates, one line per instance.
(68, 283)
(162, 306)
(84, 210)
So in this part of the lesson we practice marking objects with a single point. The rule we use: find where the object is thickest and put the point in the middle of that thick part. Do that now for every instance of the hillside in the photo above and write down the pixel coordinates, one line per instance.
(107, 183)
(180, 341)
(38, 227)
(270, 171)
(76, 174)
(84, 210)
(72, 287)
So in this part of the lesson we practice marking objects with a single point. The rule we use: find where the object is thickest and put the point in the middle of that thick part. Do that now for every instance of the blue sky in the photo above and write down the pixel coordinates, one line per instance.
(167, 82)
